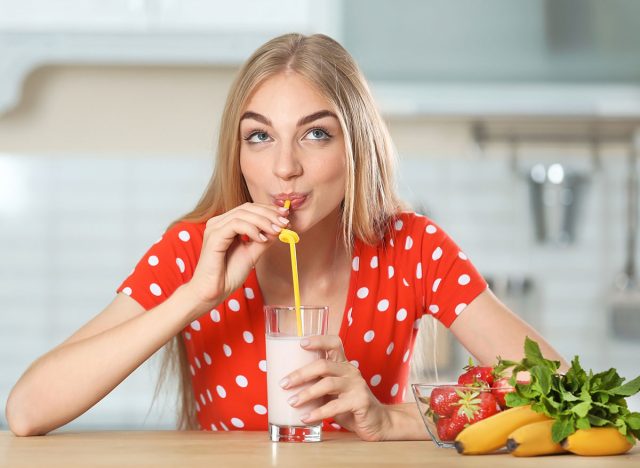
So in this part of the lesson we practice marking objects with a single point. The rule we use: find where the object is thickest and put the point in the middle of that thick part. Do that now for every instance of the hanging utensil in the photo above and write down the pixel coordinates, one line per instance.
(625, 303)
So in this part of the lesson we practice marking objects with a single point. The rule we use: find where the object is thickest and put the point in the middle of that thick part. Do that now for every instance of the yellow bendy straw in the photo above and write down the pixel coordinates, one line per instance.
(291, 237)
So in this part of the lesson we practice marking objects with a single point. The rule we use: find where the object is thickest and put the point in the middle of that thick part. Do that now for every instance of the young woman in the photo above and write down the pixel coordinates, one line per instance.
(299, 124)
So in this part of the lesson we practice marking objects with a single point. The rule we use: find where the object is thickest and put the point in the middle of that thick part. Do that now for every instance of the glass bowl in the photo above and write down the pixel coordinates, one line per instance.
(437, 404)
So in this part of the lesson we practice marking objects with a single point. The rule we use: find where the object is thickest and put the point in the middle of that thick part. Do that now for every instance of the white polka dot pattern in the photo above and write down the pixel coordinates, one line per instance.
(247, 336)
(155, 289)
(389, 290)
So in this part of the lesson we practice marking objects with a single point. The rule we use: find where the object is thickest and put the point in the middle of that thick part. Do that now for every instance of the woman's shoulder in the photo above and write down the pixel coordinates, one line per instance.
(410, 223)
(183, 233)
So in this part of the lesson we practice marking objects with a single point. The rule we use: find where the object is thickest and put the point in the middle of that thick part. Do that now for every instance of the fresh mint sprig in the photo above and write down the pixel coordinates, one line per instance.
(577, 399)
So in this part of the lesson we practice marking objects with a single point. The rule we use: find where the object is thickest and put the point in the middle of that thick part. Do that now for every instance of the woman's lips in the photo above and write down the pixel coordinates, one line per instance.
(297, 200)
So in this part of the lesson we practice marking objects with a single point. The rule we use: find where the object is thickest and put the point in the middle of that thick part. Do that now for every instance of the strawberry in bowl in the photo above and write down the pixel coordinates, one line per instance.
(479, 393)
(446, 409)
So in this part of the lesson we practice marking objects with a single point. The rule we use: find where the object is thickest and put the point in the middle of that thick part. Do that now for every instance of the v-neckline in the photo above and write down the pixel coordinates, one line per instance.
(348, 306)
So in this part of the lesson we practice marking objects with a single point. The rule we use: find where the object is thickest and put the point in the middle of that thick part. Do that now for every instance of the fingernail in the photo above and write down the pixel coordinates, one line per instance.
(283, 209)
(276, 228)
(293, 400)
(284, 383)
(283, 220)
(304, 343)
(263, 237)
(304, 418)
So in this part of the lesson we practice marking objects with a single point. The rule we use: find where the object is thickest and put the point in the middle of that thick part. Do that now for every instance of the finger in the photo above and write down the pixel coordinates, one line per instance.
(268, 211)
(269, 225)
(318, 369)
(324, 387)
(331, 409)
(332, 344)
(226, 234)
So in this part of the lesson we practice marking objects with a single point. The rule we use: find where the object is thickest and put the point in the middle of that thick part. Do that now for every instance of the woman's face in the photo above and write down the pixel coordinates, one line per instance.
(292, 147)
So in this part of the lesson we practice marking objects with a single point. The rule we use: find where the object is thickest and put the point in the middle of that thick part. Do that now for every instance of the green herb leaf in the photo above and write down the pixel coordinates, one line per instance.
(630, 388)
(562, 429)
(633, 420)
(581, 409)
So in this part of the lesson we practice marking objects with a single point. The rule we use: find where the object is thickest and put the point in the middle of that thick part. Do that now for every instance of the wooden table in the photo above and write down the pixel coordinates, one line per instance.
(247, 449)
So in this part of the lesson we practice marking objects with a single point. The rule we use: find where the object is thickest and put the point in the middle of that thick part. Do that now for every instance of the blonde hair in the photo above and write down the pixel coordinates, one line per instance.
(370, 195)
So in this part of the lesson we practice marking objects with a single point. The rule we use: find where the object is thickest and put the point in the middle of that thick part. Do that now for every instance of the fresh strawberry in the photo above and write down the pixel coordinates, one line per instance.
(443, 400)
(473, 407)
(500, 389)
(476, 375)
(442, 426)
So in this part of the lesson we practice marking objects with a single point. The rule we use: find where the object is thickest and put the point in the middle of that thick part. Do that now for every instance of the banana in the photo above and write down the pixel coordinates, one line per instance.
(532, 440)
(597, 441)
(490, 434)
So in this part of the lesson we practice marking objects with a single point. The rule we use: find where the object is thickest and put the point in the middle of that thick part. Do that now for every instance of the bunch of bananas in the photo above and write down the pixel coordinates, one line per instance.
(526, 433)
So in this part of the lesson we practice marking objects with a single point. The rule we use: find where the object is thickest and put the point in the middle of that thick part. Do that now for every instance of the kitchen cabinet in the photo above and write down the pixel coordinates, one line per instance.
(191, 32)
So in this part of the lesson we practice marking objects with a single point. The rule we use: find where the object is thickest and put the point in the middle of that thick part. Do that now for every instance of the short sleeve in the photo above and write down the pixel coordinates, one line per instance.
(451, 281)
(167, 265)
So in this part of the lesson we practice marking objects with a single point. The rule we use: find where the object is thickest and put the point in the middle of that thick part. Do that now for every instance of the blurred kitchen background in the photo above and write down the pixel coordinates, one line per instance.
(517, 125)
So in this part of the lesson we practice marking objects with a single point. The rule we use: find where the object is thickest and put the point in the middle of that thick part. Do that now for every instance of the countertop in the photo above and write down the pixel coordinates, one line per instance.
(247, 449)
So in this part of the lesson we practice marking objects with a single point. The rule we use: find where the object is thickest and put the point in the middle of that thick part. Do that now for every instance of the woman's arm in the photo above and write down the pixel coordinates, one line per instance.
(487, 328)
(74, 376)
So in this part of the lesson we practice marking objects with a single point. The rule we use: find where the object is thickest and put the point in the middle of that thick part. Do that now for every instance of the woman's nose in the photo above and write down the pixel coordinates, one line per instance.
(287, 164)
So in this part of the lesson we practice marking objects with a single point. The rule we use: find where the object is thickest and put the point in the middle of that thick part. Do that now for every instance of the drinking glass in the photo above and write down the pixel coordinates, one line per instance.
(285, 355)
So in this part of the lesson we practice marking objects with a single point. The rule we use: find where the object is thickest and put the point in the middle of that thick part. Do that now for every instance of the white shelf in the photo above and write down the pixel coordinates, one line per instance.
(606, 101)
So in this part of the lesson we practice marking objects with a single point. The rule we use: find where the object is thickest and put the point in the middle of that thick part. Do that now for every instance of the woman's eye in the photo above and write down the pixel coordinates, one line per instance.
(318, 134)
(258, 137)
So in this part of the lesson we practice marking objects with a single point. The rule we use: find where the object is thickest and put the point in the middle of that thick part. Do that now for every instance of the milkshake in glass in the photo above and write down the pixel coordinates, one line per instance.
(285, 355)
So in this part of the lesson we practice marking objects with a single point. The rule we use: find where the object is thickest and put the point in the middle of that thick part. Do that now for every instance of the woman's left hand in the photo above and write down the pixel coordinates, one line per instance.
(350, 401)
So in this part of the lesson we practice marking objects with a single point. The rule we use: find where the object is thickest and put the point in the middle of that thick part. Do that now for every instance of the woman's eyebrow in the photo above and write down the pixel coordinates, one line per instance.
(303, 121)
(255, 116)
(315, 116)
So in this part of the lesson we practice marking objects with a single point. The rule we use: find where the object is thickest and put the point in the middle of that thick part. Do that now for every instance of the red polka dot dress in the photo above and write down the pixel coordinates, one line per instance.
(416, 269)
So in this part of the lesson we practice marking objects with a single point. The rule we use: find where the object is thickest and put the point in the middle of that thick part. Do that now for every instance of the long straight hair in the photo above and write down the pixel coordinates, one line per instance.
(370, 194)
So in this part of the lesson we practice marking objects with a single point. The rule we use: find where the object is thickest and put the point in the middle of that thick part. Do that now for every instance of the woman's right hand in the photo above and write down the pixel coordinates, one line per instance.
(226, 259)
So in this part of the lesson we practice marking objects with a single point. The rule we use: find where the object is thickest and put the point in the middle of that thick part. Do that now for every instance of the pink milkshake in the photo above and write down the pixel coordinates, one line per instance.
(285, 355)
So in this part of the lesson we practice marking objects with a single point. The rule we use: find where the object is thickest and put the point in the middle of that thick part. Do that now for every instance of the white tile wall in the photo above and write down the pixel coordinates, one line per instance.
(485, 208)
(85, 221)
